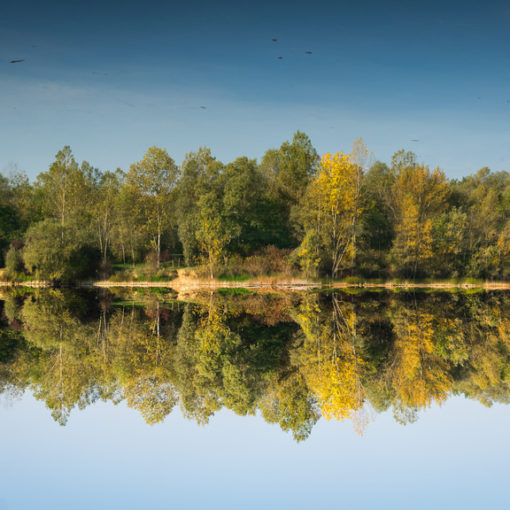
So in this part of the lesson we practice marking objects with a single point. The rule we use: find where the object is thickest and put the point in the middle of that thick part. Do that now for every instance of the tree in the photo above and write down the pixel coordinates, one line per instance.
(246, 206)
(64, 193)
(193, 168)
(293, 167)
(16, 209)
(331, 210)
(105, 210)
(449, 233)
(418, 196)
(215, 229)
(297, 165)
(377, 219)
(152, 180)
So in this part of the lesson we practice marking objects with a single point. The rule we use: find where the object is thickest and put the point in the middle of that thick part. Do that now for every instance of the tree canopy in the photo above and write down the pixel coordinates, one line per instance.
(339, 215)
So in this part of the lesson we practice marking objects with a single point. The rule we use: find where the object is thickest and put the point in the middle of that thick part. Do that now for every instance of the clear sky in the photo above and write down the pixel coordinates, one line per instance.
(107, 458)
(112, 78)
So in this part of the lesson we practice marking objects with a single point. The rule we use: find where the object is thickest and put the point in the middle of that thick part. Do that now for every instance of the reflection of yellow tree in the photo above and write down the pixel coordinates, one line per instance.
(331, 364)
(418, 374)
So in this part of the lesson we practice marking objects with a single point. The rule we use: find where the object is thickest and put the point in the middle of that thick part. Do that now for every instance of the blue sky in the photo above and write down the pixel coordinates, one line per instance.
(111, 79)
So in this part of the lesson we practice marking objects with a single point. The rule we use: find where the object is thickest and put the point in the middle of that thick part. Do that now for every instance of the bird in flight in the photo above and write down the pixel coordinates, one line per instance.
(274, 39)
(308, 52)
(204, 107)
(17, 60)
(279, 58)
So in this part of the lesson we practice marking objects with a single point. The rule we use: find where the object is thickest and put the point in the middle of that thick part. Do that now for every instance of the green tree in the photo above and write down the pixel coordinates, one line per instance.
(153, 180)
(193, 168)
(215, 229)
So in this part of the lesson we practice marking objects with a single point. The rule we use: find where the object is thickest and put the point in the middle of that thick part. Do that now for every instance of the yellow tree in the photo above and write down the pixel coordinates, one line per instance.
(418, 196)
(331, 210)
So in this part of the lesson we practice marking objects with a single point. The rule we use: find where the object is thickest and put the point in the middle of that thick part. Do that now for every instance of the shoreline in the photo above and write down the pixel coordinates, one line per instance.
(284, 284)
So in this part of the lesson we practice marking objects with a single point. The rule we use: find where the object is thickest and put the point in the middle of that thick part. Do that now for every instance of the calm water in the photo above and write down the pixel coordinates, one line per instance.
(373, 400)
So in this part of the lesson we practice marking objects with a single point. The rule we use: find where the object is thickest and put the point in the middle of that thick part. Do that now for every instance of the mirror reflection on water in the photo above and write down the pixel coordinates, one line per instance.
(290, 358)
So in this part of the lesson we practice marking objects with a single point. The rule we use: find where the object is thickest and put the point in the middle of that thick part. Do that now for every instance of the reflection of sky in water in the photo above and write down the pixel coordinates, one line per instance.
(454, 456)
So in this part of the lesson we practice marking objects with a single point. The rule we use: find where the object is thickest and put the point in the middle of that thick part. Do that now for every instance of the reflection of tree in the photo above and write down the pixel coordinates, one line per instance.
(485, 375)
(289, 403)
(227, 363)
(331, 364)
(315, 355)
(141, 360)
(418, 374)
(61, 378)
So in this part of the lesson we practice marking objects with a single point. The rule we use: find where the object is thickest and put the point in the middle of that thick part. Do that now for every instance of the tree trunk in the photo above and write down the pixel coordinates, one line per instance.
(159, 248)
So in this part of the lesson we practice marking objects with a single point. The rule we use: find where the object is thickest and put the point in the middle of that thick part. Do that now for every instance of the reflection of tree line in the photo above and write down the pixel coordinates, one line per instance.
(302, 358)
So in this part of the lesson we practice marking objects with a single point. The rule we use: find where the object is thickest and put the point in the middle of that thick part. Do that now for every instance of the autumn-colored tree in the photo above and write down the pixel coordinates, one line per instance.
(418, 196)
(332, 207)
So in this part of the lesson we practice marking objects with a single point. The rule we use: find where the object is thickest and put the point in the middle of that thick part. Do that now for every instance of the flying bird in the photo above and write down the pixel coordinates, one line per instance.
(204, 107)
(308, 52)
(17, 61)
(274, 39)
(279, 58)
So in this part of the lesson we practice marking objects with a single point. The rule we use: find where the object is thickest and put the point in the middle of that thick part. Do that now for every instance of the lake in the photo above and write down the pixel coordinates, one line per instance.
(143, 399)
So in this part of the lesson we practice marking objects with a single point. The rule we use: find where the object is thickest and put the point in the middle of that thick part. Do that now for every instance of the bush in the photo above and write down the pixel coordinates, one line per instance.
(267, 261)
(14, 261)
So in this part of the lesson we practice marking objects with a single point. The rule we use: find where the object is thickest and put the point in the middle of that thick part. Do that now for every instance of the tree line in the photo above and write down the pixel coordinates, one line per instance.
(289, 358)
(295, 212)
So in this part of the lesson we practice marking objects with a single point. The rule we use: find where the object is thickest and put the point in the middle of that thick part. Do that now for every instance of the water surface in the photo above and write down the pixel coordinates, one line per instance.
(385, 400)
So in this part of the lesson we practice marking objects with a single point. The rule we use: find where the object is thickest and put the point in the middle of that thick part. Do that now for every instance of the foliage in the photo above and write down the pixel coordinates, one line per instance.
(291, 214)
(331, 210)
(292, 360)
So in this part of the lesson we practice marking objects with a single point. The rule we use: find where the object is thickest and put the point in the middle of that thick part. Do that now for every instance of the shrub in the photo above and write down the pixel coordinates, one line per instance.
(14, 261)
